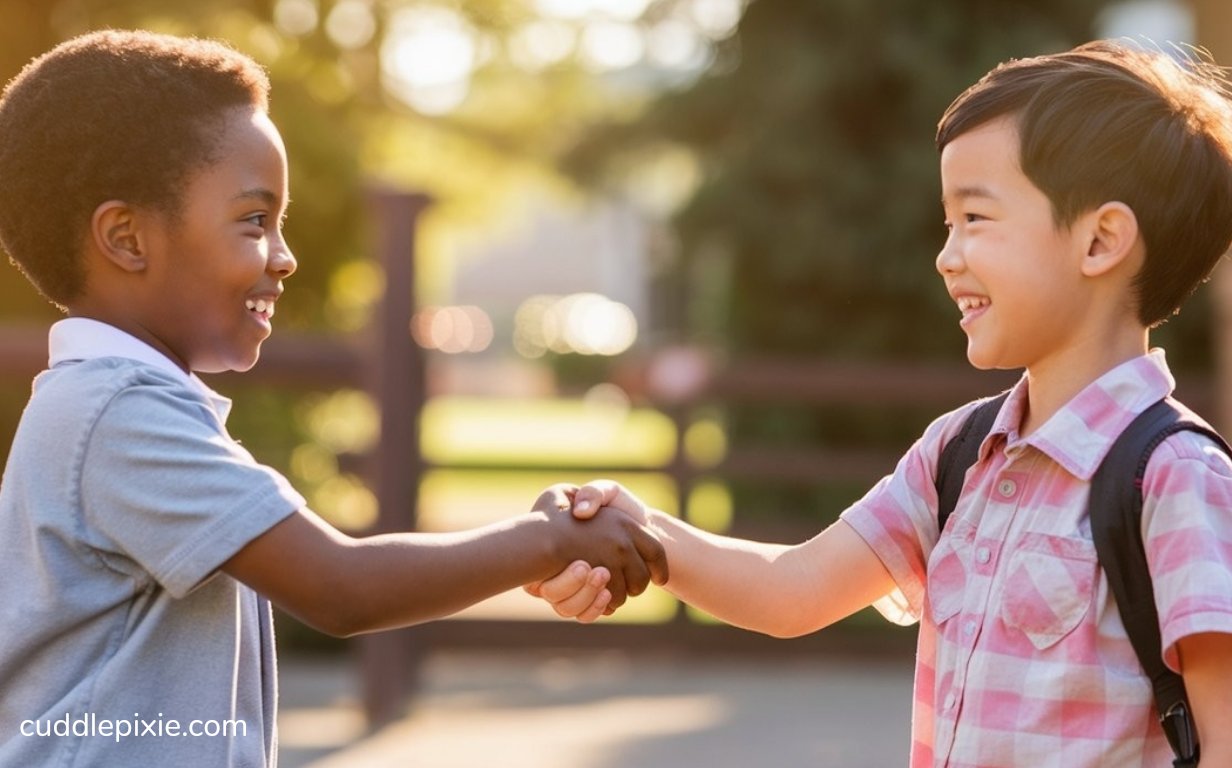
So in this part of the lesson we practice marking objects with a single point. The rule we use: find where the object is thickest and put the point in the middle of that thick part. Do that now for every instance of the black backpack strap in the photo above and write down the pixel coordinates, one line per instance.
(1116, 513)
(960, 453)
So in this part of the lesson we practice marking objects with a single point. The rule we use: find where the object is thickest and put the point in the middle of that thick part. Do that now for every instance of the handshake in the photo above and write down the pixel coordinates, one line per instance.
(606, 533)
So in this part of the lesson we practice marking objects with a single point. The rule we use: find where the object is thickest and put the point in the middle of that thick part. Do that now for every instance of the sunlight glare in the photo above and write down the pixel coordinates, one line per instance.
(625, 10)
(610, 45)
(453, 330)
(295, 17)
(541, 44)
(675, 44)
(428, 57)
(350, 24)
(717, 19)
(581, 323)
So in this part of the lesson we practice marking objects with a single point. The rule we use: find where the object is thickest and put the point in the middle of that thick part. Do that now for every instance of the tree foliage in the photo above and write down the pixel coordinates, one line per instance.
(819, 196)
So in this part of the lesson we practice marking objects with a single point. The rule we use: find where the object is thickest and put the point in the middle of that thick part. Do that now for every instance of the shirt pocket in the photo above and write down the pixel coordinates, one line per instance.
(947, 570)
(1049, 587)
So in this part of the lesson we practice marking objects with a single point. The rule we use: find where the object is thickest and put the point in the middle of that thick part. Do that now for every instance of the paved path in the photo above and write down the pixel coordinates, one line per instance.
(602, 710)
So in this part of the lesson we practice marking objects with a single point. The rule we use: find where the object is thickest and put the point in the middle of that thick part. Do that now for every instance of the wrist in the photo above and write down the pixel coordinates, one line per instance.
(657, 520)
(546, 543)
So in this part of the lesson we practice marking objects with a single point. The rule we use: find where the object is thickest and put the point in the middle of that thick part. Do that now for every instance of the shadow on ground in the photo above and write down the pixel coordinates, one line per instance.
(608, 710)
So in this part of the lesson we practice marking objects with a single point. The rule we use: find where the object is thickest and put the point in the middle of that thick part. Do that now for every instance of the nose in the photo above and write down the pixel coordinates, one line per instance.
(281, 261)
(949, 260)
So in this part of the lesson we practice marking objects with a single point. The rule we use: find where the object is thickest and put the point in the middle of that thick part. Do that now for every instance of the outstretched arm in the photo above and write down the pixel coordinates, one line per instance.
(781, 590)
(345, 586)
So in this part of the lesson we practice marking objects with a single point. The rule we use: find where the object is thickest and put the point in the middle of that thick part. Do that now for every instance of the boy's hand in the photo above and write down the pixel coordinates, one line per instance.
(578, 592)
(596, 494)
(570, 593)
(632, 555)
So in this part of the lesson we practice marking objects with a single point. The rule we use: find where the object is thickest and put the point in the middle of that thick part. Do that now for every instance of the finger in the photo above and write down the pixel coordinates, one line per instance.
(556, 498)
(595, 494)
(566, 583)
(562, 496)
(597, 608)
(637, 575)
(534, 589)
(580, 602)
(616, 585)
(653, 555)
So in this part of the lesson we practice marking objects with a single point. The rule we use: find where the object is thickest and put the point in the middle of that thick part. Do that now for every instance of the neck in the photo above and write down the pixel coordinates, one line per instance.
(1056, 380)
(128, 324)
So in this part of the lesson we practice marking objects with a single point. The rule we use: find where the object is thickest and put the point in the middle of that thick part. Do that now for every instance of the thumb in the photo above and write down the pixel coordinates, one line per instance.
(590, 497)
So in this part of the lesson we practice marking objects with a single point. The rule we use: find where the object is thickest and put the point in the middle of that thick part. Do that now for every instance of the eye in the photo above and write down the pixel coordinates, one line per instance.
(973, 217)
(257, 219)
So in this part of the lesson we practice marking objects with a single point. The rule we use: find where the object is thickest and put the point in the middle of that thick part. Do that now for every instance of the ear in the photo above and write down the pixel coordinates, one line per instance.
(114, 233)
(1113, 232)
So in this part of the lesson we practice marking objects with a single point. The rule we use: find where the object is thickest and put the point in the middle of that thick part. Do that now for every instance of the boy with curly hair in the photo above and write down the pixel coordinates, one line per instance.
(144, 189)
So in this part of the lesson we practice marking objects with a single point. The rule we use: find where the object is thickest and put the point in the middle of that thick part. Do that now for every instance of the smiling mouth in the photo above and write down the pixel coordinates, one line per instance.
(261, 307)
(970, 304)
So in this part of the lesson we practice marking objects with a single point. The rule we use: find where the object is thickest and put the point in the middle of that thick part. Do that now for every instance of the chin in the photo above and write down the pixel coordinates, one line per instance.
(236, 363)
(982, 360)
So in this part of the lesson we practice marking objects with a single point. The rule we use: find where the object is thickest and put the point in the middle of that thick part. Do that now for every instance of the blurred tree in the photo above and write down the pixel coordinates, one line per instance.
(461, 100)
(819, 194)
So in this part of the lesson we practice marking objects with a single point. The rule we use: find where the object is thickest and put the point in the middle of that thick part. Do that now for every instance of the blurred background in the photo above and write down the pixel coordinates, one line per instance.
(687, 244)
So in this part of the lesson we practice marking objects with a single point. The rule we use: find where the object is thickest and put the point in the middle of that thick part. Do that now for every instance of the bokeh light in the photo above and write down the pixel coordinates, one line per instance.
(452, 330)
(541, 44)
(350, 24)
(608, 45)
(296, 17)
(581, 323)
(428, 57)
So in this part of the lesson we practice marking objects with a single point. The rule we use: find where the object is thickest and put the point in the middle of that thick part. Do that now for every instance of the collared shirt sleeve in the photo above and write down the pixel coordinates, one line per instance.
(898, 518)
(1187, 532)
(167, 489)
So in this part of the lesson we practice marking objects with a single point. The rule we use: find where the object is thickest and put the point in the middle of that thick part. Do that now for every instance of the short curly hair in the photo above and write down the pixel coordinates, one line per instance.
(110, 115)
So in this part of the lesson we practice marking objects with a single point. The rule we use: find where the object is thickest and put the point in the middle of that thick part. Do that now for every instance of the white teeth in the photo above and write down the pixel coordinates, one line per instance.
(260, 306)
(968, 303)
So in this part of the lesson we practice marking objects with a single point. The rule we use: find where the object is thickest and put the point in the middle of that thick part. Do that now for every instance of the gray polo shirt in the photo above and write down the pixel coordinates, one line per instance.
(120, 642)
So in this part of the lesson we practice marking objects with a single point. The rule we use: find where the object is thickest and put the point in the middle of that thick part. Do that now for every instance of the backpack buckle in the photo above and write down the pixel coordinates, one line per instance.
(1178, 726)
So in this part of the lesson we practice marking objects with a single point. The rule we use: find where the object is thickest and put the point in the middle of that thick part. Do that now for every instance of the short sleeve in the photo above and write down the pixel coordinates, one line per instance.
(898, 519)
(1187, 532)
(167, 488)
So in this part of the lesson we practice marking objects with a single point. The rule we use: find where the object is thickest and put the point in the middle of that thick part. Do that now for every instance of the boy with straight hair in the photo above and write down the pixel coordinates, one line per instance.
(1086, 195)
(143, 190)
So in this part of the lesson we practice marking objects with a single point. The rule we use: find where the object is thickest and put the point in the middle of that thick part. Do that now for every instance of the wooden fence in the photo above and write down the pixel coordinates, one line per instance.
(387, 363)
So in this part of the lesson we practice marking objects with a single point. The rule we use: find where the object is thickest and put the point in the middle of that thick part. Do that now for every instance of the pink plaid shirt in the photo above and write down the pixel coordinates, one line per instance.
(1023, 659)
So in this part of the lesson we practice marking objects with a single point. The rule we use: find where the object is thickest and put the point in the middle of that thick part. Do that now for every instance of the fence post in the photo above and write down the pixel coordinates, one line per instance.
(395, 378)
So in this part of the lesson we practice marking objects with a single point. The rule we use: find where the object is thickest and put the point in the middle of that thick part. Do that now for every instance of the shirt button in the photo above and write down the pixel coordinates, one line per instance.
(950, 700)
(983, 555)
(969, 628)
(1007, 487)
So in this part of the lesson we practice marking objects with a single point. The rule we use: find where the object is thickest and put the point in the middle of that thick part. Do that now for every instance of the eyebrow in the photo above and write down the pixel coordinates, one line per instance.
(259, 193)
(968, 192)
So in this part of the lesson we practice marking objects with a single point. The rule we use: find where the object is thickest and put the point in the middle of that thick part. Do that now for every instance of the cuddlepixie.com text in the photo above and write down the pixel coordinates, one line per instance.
(90, 725)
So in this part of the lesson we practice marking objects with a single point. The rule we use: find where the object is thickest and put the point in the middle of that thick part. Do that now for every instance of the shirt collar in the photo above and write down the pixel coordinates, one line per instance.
(1080, 434)
(80, 338)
